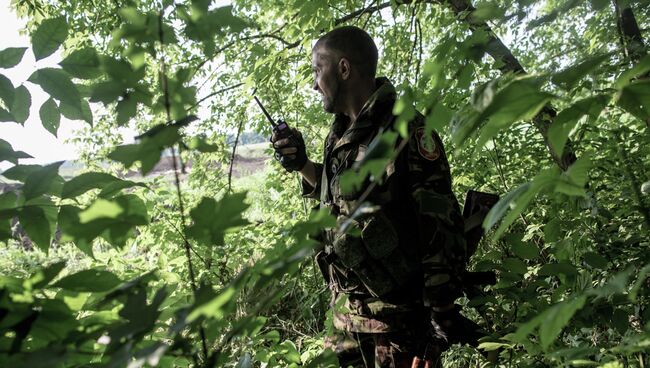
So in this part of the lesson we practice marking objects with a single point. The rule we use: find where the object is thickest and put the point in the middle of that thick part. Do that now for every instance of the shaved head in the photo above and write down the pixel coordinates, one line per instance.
(354, 44)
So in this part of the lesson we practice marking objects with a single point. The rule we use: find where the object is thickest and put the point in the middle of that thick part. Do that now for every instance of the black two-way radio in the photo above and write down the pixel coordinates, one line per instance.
(280, 128)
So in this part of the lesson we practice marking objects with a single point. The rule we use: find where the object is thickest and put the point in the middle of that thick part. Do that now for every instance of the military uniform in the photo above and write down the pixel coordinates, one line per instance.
(398, 260)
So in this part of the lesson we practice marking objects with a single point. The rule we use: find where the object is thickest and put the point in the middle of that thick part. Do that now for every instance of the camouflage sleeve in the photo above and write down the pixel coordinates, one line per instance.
(442, 243)
(310, 191)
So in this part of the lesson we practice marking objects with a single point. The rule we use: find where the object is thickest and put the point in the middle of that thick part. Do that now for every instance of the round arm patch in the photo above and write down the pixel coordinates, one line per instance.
(427, 145)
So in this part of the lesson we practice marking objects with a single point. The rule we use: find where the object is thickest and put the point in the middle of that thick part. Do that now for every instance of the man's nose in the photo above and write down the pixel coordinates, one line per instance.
(315, 85)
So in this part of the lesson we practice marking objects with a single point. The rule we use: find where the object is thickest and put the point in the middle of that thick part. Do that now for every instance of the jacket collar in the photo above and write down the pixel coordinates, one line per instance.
(379, 104)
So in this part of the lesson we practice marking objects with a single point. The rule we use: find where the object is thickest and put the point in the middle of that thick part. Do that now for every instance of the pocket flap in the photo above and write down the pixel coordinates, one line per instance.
(379, 236)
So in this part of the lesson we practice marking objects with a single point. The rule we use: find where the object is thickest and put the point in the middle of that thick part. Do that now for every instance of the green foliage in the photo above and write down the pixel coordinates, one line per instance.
(82, 64)
(50, 116)
(110, 269)
(58, 84)
(211, 218)
(89, 281)
(7, 153)
(11, 56)
(49, 35)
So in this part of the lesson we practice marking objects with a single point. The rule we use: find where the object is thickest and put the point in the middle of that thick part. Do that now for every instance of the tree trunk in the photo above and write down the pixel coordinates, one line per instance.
(630, 35)
(495, 48)
(629, 32)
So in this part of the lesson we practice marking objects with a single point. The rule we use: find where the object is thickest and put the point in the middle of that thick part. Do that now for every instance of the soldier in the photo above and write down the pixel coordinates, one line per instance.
(403, 265)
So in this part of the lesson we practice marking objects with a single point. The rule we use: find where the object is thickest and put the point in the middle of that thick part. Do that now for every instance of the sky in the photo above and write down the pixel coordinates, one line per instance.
(32, 138)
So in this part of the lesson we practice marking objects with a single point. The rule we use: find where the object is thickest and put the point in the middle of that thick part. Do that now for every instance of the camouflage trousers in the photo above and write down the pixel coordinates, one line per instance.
(411, 348)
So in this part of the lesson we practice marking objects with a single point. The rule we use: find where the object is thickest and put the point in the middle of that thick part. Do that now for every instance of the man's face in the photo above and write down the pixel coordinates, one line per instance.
(326, 77)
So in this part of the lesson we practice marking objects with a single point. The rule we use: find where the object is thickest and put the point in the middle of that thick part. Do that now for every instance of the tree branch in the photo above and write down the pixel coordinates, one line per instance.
(360, 12)
(226, 89)
(500, 53)
(629, 32)
(232, 156)
(165, 88)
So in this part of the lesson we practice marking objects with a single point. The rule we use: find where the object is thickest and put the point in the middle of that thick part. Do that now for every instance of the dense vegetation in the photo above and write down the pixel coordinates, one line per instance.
(207, 269)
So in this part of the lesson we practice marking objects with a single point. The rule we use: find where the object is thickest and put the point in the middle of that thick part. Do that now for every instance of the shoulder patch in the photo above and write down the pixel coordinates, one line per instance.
(427, 145)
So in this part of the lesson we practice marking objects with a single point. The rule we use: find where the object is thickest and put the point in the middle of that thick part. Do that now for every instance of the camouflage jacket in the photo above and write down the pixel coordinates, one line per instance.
(405, 256)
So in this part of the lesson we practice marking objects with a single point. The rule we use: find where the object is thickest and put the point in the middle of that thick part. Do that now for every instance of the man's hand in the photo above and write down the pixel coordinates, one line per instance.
(290, 151)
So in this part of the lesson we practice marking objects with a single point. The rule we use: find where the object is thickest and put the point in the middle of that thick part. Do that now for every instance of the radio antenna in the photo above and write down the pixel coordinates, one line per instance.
(268, 116)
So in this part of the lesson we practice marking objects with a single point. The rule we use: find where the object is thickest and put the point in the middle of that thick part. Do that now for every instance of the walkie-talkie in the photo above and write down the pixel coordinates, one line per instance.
(282, 130)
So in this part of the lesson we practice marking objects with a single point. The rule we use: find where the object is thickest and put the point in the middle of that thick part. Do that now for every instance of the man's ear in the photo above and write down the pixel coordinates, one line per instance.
(344, 68)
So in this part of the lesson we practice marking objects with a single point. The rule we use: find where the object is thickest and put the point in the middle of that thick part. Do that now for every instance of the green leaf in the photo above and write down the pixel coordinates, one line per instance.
(560, 268)
(567, 119)
(87, 181)
(492, 346)
(635, 99)
(50, 116)
(8, 200)
(218, 306)
(438, 117)
(77, 111)
(5, 115)
(504, 204)
(595, 260)
(553, 230)
(20, 172)
(201, 145)
(40, 181)
(49, 35)
(553, 14)
(7, 153)
(112, 188)
(642, 67)
(151, 145)
(7, 91)
(106, 92)
(21, 105)
(568, 77)
(82, 64)
(128, 154)
(11, 56)
(289, 352)
(126, 109)
(43, 276)
(572, 182)
(212, 219)
(517, 200)
(515, 265)
(100, 209)
(521, 99)
(556, 318)
(223, 17)
(116, 229)
(57, 84)
(121, 71)
(36, 225)
(598, 4)
(578, 172)
(92, 280)
(525, 250)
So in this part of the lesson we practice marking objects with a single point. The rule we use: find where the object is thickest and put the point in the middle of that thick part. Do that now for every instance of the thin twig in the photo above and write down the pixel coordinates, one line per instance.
(205, 262)
(226, 89)
(415, 40)
(420, 52)
(232, 155)
(164, 83)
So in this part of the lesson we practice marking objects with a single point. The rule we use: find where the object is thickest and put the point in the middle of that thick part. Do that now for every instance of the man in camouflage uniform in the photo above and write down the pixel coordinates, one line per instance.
(400, 265)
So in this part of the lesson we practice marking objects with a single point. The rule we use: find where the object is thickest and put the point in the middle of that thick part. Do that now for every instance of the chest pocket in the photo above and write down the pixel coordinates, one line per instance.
(343, 176)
